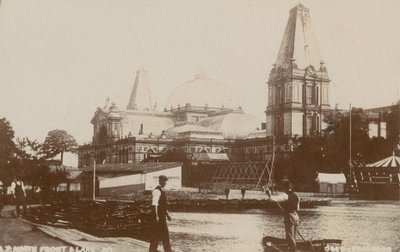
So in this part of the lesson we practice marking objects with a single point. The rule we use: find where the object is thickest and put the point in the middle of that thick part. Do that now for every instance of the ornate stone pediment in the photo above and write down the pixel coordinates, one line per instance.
(99, 115)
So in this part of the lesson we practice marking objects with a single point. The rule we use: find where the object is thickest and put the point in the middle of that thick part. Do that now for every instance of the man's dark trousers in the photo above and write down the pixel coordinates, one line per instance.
(160, 233)
(291, 222)
(20, 200)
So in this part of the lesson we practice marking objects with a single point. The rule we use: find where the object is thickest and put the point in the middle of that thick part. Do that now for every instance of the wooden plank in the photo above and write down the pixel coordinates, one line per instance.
(67, 234)
(49, 231)
(100, 247)
(132, 241)
(57, 233)
(85, 236)
(74, 237)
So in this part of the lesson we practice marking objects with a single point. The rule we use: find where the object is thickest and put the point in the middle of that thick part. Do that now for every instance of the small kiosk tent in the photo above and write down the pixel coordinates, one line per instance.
(331, 184)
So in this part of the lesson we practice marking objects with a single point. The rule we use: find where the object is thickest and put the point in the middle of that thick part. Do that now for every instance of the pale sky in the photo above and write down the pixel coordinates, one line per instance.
(59, 60)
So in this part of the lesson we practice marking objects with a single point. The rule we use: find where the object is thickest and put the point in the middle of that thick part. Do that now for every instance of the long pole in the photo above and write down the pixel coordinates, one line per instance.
(320, 106)
(271, 175)
(350, 161)
(302, 237)
(94, 179)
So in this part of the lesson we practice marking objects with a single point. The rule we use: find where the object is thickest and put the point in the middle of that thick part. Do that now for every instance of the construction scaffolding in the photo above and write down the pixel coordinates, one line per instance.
(252, 175)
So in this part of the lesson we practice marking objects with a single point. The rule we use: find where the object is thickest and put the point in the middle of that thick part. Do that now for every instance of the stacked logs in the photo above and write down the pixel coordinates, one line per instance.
(101, 218)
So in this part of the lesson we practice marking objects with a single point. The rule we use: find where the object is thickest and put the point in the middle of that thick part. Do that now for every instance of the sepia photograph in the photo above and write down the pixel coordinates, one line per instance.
(199, 125)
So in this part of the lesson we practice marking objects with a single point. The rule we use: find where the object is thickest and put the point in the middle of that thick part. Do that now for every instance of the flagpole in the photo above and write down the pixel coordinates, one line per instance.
(350, 161)
(94, 179)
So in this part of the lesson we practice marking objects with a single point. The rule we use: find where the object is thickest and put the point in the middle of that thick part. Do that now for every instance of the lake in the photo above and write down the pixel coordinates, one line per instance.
(357, 223)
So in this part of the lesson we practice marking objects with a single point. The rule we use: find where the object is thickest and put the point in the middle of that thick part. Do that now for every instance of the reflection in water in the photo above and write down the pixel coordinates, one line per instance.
(356, 223)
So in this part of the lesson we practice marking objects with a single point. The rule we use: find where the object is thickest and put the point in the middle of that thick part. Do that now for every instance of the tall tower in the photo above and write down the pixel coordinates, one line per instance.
(298, 83)
(140, 96)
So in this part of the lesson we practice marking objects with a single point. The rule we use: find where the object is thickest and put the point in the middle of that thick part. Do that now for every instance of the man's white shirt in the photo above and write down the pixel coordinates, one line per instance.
(156, 196)
(15, 183)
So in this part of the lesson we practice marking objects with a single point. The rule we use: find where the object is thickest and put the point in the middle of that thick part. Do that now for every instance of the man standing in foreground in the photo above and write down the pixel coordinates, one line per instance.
(19, 194)
(159, 204)
(290, 208)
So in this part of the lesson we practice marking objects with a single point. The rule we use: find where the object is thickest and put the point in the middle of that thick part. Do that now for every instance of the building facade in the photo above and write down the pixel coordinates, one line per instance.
(205, 116)
(201, 115)
(298, 85)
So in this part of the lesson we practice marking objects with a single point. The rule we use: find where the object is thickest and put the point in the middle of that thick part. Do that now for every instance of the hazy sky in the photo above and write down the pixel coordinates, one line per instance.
(59, 60)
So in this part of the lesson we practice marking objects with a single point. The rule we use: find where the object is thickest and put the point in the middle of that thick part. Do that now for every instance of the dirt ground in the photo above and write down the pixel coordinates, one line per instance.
(15, 232)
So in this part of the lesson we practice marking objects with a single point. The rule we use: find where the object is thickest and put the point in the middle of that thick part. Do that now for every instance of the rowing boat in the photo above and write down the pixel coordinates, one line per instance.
(271, 243)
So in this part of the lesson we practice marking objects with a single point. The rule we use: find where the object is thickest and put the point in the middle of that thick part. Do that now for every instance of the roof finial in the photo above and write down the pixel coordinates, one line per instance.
(107, 102)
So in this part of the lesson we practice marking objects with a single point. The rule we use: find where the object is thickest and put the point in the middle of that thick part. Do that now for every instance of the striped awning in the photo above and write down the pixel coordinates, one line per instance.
(392, 161)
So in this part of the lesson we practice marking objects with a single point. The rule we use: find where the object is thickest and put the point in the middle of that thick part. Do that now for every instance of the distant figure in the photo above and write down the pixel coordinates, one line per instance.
(243, 191)
(1, 197)
(159, 204)
(268, 192)
(19, 194)
(290, 207)
(227, 192)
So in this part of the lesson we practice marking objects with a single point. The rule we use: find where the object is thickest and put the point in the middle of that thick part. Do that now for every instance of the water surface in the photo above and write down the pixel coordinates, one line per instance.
(357, 223)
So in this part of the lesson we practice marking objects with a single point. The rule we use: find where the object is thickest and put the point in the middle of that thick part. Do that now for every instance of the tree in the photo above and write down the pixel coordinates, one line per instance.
(306, 160)
(7, 150)
(58, 142)
(329, 152)
(337, 147)
(35, 168)
(29, 158)
(363, 149)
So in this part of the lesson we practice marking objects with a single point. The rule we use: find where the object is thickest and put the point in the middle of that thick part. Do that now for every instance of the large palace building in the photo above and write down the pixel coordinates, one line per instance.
(203, 120)
(203, 115)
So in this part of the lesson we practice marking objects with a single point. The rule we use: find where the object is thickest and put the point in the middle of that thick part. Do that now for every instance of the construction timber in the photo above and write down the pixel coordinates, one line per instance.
(252, 175)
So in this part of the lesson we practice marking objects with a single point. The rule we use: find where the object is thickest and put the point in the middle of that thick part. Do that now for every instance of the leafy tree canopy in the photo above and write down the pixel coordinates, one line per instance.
(58, 142)
(330, 151)
(7, 149)
(29, 158)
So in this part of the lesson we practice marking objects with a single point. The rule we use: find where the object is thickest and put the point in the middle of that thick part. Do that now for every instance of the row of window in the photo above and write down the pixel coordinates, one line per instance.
(311, 125)
(258, 149)
(312, 94)
(102, 157)
(122, 155)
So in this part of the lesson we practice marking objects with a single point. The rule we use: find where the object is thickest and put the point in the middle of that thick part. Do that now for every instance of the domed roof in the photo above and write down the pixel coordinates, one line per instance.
(195, 130)
(202, 92)
(232, 125)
